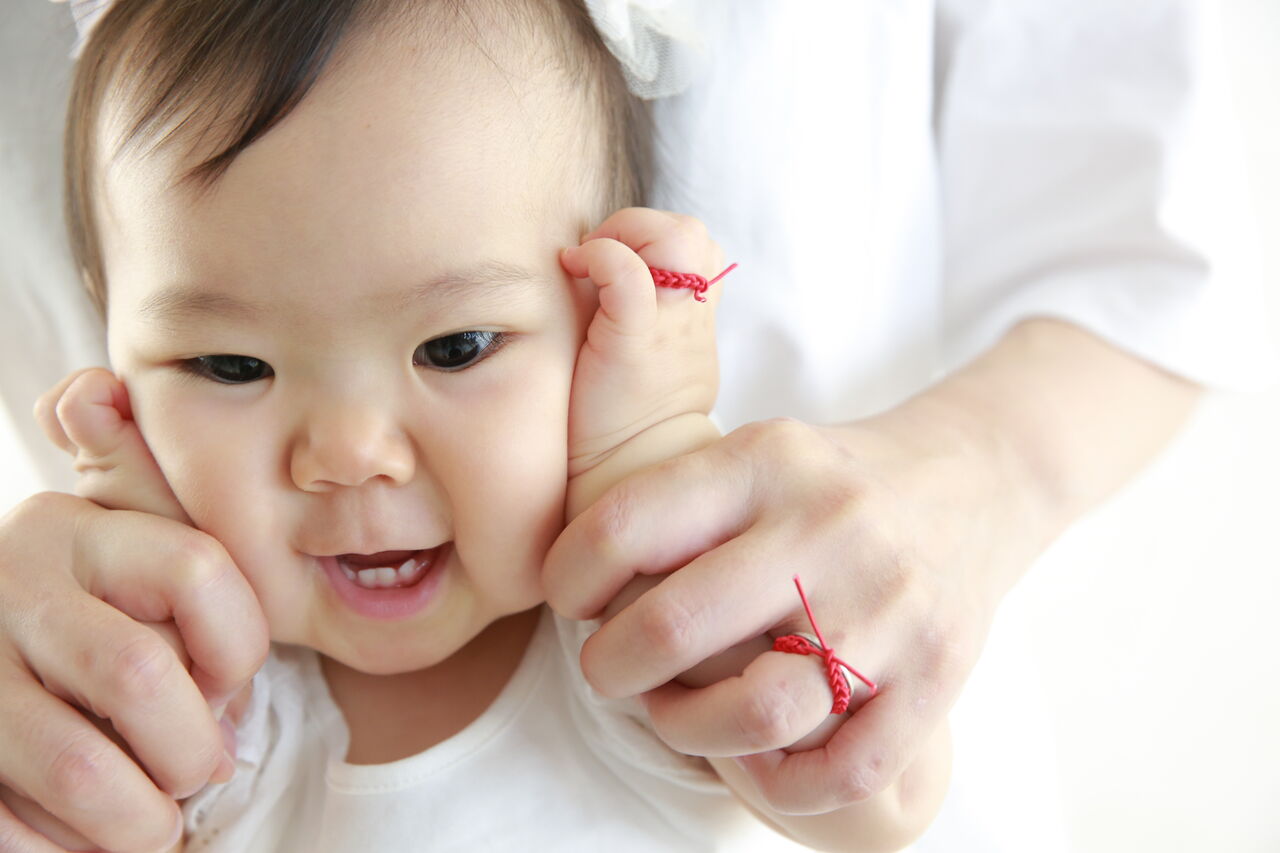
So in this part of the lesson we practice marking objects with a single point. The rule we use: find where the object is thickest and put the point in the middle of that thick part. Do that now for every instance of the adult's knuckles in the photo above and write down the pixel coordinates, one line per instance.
(79, 773)
(769, 719)
(39, 510)
(197, 561)
(609, 524)
(786, 797)
(667, 627)
(947, 652)
(865, 778)
(140, 669)
(777, 440)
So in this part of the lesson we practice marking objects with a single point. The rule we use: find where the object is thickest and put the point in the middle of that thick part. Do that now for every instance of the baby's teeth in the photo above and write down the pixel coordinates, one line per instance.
(385, 576)
(376, 578)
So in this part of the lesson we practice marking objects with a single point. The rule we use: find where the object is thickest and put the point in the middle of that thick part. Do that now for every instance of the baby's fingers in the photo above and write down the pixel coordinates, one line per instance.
(46, 415)
(670, 241)
(628, 303)
(118, 471)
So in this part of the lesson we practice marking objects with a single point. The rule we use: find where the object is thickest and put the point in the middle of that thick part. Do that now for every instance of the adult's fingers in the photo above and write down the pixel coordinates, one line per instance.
(778, 699)
(157, 570)
(653, 522)
(117, 669)
(56, 757)
(861, 759)
(17, 836)
(881, 740)
(689, 617)
(94, 654)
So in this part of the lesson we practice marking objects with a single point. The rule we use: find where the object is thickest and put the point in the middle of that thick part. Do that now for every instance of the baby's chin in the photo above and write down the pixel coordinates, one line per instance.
(423, 644)
(379, 663)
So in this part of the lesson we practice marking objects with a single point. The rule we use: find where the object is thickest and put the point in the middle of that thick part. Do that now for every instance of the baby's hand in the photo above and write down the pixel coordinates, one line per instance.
(648, 366)
(645, 382)
(88, 415)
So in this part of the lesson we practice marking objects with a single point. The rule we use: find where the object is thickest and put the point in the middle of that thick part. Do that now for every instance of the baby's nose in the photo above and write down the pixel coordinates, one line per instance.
(348, 445)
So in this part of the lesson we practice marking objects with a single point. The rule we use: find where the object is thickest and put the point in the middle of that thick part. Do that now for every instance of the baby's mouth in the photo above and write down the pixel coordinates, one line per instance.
(386, 569)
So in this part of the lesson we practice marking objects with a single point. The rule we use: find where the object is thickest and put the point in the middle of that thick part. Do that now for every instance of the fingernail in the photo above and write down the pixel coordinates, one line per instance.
(177, 832)
(228, 737)
(227, 766)
(226, 770)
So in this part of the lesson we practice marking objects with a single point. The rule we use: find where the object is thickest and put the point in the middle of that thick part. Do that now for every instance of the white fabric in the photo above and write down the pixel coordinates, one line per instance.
(900, 181)
(86, 14)
(548, 766)
(655, 42)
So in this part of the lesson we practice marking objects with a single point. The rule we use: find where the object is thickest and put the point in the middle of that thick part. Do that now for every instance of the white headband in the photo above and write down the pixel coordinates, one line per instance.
(655, 41)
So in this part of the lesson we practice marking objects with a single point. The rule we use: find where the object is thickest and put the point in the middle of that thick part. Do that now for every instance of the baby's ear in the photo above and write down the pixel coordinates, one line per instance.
(116, 467)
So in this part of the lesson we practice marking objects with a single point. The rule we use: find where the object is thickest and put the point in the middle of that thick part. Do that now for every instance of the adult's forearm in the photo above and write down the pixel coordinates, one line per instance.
(1057, 416)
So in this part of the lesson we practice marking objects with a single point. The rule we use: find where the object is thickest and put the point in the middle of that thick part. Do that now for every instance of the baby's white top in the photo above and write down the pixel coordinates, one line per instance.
(548, 766)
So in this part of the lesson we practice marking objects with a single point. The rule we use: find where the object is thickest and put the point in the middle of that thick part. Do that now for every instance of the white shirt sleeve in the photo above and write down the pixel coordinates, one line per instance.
(1090, 171)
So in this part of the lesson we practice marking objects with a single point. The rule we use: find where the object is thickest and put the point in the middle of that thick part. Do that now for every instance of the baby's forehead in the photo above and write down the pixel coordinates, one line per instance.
(378, 176)
(435, 63)
(480, 109)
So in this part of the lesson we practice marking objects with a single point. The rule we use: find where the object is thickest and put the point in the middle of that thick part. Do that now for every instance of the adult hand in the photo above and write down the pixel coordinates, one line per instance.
(906, 529)
(891, 525)
(75, 574)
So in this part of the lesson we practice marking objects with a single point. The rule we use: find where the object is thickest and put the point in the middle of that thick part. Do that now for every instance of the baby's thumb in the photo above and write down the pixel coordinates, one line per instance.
(116, 467)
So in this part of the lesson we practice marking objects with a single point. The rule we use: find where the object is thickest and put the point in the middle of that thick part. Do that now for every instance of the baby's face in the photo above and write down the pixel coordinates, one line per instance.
(361, 341)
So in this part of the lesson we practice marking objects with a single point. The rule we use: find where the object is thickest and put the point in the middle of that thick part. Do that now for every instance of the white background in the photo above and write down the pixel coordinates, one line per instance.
(1155, 622)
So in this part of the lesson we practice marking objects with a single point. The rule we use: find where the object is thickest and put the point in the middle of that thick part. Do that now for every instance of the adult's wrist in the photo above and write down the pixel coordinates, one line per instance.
(1030, 435)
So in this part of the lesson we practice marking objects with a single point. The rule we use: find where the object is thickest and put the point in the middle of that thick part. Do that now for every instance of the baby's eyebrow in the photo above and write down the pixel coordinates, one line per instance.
(184, 304)
(457, 285)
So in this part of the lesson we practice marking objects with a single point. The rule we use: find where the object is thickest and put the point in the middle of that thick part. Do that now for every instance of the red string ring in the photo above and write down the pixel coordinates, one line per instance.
(795, 644)
(692, 281)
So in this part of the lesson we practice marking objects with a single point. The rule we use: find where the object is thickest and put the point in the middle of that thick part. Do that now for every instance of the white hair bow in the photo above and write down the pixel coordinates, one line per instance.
(85, 13)
(655, 41)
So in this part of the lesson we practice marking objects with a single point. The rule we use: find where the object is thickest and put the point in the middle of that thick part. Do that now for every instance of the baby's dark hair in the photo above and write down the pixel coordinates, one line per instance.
(221, 73)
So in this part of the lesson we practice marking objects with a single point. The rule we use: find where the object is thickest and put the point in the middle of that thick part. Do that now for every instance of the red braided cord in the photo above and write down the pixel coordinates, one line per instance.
(693, 281)
(797, 645)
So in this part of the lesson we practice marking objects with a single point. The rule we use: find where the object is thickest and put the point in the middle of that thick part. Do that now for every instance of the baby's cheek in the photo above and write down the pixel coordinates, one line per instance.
(513, 508)
(217, 477)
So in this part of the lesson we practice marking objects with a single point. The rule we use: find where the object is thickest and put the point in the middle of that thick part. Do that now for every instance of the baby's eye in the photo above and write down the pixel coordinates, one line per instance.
(229, 369)
(457, 351)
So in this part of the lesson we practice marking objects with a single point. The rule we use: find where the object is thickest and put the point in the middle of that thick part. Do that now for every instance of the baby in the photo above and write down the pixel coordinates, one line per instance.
(343, 323)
